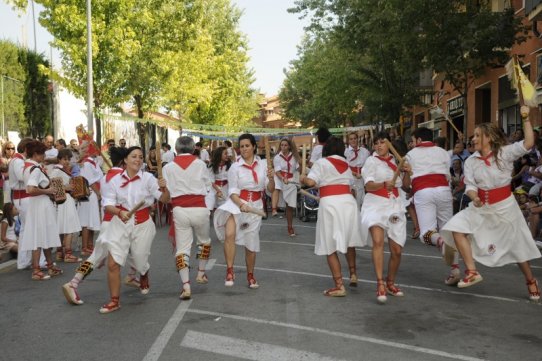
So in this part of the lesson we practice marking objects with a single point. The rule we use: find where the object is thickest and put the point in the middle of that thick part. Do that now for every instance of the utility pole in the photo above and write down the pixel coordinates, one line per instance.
(90, 99)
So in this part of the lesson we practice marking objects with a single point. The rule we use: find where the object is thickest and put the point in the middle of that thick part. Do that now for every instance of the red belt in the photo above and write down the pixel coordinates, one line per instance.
(20, 194)
(356, 170)
(491, 196)
(250, 196)
(221, 183)
(286, 174)
(189, 201)
(141, 215)
(107, 217)
(429, 181)
(334, 190)
(383, 192)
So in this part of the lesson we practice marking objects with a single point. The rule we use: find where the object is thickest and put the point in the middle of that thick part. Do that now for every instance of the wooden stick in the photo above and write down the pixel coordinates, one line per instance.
(136, 208)
(310, 195)
(303, 159)
(394, 151)
(451, 123)
(157, 151)
(256, 211)
(398, 171)
(268, 152)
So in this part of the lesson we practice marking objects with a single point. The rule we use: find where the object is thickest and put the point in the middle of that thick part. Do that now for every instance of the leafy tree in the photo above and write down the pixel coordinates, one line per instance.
(14, 77)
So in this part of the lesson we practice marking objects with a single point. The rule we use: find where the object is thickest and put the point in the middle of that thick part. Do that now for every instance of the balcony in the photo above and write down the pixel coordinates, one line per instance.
(533, 9)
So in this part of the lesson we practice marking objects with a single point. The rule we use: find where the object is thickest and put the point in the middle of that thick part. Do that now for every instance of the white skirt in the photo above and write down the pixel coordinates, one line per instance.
(337, 227)
(289, 194)
(386, 213)
(40, 230)
(247, 232)
(89, 213)
(212, 201)
(498, 233)
(67, 218)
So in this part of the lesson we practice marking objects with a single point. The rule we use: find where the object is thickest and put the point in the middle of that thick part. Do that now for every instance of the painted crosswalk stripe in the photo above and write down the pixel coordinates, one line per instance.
(210, 264)
(248, 350)
(348, 336)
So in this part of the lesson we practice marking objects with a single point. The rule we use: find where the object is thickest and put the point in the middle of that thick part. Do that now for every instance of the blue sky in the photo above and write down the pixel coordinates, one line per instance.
(272, 32)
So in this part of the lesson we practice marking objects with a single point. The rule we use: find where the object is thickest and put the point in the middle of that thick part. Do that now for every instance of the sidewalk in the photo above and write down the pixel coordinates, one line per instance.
(6, 259)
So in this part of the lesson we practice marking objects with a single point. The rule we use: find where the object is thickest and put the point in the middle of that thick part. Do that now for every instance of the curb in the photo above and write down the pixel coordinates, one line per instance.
(8, 264)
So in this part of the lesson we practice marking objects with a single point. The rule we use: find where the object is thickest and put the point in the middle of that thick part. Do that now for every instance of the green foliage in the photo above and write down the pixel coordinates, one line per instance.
(14, 90)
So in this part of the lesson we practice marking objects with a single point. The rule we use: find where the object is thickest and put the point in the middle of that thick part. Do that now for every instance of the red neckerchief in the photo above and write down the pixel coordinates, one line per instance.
(63, 170)
(184, 160)
(287, 159)
(252, 167)
(486, 158)
(128, 180)
(339, 164)
(18, 156)
(425, 144)
(356, 151)
(111, 173)
(388, 161)
(89, 160)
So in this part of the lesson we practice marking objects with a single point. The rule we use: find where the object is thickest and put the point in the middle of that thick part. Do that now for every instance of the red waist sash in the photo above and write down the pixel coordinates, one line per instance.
(491, 196)
(383, 192)
(334, 190)
(141, 215)
(429, 181)
(20, 194)
(356, 170)
(189, 201)
(221, 183)
(250, 196)
(286, 174)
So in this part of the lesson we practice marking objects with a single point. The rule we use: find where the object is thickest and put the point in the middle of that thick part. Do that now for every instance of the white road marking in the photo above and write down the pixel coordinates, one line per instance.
(163, 338)
(496, 298)
(372, 340)
(283, 225)
(247, 350)
(210, 264)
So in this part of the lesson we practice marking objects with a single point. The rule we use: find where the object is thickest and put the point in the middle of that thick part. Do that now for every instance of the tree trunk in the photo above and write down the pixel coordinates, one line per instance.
(142, 128)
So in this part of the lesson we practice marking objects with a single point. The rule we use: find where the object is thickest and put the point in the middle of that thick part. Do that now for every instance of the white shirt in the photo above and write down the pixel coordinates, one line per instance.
(143, 189)
(221, 175)
(58, 171)
(324, 173)
(167, 157)
(91, 172)
(428, 160)
(281, 164)
(377, 170)
(479, 175)
(51, 153)
(36, 178)
(15, 173)
(204, 155)
(240, 177)
(192, 180)
(356, 161)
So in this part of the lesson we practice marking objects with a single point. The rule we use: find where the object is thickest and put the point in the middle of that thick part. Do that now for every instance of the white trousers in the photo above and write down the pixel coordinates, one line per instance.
(24, 258)
(434, 208)
(190, 222)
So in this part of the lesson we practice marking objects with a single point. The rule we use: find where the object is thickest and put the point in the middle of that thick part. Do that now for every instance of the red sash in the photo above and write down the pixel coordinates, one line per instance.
(250, 196)
(188, 201)
(19, 194)
(286, 175)
(221, 183)
(429, 181)
(492, 196)
(141, 215)
(334, 190)
(383, 192)
(356, 170)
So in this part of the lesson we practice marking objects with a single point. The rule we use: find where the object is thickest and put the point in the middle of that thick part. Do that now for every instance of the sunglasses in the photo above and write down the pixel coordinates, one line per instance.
(10, 148)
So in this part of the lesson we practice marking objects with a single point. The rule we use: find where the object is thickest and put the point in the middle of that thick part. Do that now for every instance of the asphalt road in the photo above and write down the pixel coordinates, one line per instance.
(287, 318)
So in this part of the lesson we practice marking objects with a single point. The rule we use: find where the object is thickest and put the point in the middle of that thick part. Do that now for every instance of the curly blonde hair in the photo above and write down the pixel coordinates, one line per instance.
(497, 139)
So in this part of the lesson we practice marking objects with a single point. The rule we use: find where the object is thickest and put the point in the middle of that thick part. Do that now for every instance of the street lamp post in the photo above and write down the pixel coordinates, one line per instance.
(90, 100)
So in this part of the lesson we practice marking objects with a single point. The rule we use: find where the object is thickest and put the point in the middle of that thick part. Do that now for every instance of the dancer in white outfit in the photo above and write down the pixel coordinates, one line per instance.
(383, 214)
(356, 157)
(337, 228)
(286, 165)
(247, 179)
(188, 179)
(41, 230)
(218, 172)
(492, 229)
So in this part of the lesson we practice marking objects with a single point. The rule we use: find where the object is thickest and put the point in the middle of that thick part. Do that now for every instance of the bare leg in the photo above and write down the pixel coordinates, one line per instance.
(229, 242)
(412, 213)
(464, 248)
(377, 234)
(250, 260)
(395, 259)
(113, 277)
(532, 283)
(351, 260)
(274, 201)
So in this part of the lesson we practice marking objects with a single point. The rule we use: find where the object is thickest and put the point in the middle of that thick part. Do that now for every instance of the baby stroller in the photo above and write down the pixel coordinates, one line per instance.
(308, 207)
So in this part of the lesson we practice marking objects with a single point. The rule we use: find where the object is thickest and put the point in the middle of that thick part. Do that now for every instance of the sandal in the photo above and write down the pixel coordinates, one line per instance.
(533, 295)
(381, 297)
(71, 294)
(392, 289)
(60, 256)
(338, 290)
(454, 277)
(38, 275)
(85, 252)
(132, 281)
(112, 306)
(70, 258)
(186, 294)
(353, 280)
(203, 279)
(472, 278)
(416, 233)
(53, 270)
(291, 232)
(230, 277)
(252, 283)
(144, 286)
